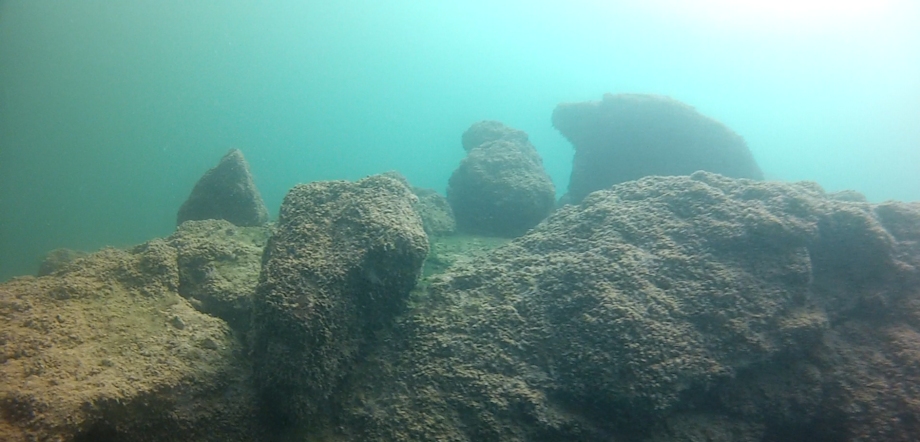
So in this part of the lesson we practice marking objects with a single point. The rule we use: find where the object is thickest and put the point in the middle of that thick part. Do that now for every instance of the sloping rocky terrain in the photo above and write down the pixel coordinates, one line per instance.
(665, 309)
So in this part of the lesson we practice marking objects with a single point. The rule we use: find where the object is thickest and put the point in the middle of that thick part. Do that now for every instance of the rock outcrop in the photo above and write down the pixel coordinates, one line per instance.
(338, 269)
(226, 192)
(660, 310)
(665, 309)
(105, 349)
(500, 188)
(625, 137)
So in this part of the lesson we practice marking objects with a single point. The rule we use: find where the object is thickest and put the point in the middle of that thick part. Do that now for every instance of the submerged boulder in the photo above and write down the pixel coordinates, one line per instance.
(226, 192)
(105, 349)
(338, 268)
(665, 309)
(625, 137)
(489, 130)
(500, 188)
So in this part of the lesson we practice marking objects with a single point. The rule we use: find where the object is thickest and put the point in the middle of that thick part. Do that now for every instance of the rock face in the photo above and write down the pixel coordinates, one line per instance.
(219, 266)
(105, 349)
(435, 211)
(431, 207)
(338, 268)
(500, 188)
(629, 136)
(226, 192)
(665, 309)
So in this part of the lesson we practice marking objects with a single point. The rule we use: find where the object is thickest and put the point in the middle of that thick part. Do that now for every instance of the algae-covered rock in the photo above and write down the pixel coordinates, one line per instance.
(106, 349)
(769, 310)
(501, 187)
(625, 137)
(338, 268)
(227, 192)
(219, 266)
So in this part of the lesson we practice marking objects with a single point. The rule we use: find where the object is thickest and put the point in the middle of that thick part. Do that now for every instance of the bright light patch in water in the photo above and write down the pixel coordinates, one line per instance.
(786, 16)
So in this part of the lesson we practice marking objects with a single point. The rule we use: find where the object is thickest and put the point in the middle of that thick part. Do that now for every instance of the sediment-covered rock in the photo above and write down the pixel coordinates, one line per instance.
(105, 349)
(665, 309)
(435, 212)
(500, 188)
(338, 268)
(219, 266)
(226, 192)
(489, 130)
(58, 259)
(625, 137)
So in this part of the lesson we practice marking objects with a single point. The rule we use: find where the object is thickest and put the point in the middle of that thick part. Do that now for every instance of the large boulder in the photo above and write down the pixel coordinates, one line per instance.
(500, 188)
(625, 137)
(665, 309)
(106, 349)
(226, 192)
(338, 268)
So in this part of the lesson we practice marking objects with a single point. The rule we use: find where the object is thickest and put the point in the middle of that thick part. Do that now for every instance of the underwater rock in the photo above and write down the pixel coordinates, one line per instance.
(57, 259)
(219, 266)
(433, 208)
(848, 195)
(769, 310)
(489, 130)
(93, 353)
(625, 137)
(226, 192)
(337, 269)
(500, 188)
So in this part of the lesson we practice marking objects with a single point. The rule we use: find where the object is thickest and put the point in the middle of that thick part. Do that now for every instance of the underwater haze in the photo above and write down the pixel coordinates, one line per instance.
(110, 111)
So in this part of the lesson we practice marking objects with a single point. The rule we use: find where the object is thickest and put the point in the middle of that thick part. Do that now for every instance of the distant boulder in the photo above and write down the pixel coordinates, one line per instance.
(625, 137)
(226, 192)
(490, 130)
(500, 188)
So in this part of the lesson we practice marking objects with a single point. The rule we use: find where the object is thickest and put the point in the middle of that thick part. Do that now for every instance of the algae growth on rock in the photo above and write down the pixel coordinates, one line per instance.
(658, 310)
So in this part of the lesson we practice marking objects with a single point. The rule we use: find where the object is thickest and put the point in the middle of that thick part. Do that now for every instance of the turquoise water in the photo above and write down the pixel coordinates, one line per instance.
(110, 111)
